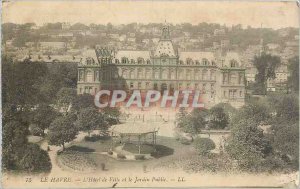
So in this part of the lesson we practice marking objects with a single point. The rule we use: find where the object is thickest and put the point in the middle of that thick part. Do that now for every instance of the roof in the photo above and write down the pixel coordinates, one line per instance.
(165, 47)
(197, 55)
(232, 56)
(132, 54)
(134, 128)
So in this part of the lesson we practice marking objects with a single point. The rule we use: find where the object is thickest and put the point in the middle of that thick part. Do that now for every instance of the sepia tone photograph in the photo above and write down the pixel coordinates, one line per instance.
(149, 94)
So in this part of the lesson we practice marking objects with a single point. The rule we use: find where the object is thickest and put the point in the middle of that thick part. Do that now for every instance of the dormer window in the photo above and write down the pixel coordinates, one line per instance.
(189, 61)
(197, 62)
(140, 60)
(233, 63)
(89, 61)
(148, 61)
(205, 62)
(124, 60)
(132, 61)
(117, 61)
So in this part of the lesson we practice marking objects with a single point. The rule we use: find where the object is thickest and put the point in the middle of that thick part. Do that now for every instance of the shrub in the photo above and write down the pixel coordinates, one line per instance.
(95, 138)
(36, 130)
(121, 156)
(184, 140)
(35, 159)
(139, 157)
(204, 145)
(110, 153)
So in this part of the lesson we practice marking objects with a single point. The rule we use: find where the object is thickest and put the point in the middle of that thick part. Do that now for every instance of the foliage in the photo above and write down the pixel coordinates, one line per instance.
(247, 144)
(62, 130)
(191, 122)
(184, 140)
(111, 115)
(204, 145)
(293, 79)
(13, 141)
(256, 110)
(83, 101)
(65, 98)
(218, 118)
(121, 156)
(77, 161)
(286, 140)
(285, 107)
(35, 159)
(265, 65)
(43, 115)
(91, 119)
(36, 130)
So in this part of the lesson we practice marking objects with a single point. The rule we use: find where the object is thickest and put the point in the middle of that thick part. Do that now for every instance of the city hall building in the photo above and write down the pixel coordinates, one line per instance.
(219, 77)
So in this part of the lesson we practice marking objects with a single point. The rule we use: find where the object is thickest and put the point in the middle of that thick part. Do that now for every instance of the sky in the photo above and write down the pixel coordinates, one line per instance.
(268, 14)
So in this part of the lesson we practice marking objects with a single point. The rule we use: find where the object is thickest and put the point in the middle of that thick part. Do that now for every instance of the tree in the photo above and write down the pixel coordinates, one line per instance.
(62, 130)
(286, 140)
(65, 98)
(43, 116)
(13, 142)
(91, 119)
(111, 115)
(204, 145)
(35, 159)
(285, 107)
(83, 101)
(218, 118)
(293, 79)
(265, 65)
(258, 111)
(247, 144)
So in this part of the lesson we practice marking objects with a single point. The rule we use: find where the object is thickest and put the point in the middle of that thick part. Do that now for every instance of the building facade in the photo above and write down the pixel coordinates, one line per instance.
(219, 77)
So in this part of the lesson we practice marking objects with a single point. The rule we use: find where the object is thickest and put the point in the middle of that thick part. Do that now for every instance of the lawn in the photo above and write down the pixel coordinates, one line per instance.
(168, 149)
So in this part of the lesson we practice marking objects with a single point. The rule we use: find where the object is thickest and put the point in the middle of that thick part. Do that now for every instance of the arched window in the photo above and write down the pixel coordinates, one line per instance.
(233, 63)
(188, 74)
(212, 75)
(164, 74)
(89, 76)
(156, 74)
(140, 73)
(148, 73)
(196, 74)
(204, 74)
(180, 74)
(233, 78)
(131, 74)
(125, 74)
(172, 74)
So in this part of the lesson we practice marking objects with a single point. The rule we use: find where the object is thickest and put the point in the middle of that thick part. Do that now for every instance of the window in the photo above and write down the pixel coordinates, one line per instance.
(96, 76)
(233, 78)
(139, 85)
(147, 85)
(196, 86)
(224, 93)
(148, 62)
(117, 61)
(124, 60)
(131, 85)
(205, 62)
(132, 61)
(81, 75)
(204, 74)
(212, 86)
(233, 63)
(156, 74)
(204, 88)
(148, 73)
(139, 73)
(241, 93)
(172, 74)
(188, 74)
(89, 76)
(131, 74)
(140, 60)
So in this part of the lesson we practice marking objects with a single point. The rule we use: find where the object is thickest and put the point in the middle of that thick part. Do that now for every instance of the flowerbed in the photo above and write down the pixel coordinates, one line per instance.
(77, 161)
